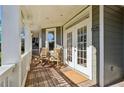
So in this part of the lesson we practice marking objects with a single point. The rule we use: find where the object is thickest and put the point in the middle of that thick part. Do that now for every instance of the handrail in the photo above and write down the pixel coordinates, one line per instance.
(19, 71)
(25, 66)
(5, 71)
(23, 55)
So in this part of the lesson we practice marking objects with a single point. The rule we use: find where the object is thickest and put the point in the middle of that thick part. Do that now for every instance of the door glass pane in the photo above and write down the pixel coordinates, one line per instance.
(85, 38)
(51, 36)
(69, 46)
(81, 38)
(82, 46)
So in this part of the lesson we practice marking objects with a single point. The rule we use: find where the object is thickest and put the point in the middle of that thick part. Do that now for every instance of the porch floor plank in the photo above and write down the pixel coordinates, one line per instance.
(40, 76)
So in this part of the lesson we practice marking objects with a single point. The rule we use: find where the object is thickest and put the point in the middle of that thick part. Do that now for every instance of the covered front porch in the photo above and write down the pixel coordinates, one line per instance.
(27, 35)
(83, 46)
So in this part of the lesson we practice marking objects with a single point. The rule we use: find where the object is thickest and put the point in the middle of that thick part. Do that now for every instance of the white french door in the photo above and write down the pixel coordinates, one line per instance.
(69, 41)
(83, 50)
(79, 49)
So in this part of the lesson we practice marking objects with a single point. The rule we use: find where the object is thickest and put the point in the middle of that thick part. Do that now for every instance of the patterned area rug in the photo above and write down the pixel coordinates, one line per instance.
(40, 76)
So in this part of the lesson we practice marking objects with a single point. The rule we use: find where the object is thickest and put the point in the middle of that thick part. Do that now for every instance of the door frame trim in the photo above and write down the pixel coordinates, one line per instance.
(46, 42)
(71, 63)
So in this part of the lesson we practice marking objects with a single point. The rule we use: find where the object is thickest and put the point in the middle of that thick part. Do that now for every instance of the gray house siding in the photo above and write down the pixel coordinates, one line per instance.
(123, 41)
(43, 37)
(113, 44)
(95, 39)
(58, 36)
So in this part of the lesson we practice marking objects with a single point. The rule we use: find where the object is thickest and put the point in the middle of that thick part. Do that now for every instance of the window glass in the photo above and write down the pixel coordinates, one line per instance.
(51, 40)
(50, 36)
(35, 43)
(82, 46)
(22, 41)
(69, 46)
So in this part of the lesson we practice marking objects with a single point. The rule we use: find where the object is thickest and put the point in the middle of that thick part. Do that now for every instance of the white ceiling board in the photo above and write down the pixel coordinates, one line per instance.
(49, 15)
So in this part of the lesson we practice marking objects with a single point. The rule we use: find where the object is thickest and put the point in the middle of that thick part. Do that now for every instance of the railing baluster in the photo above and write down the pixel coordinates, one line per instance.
(1, 84)
(6, 72)
(4, 83)
(8, 82)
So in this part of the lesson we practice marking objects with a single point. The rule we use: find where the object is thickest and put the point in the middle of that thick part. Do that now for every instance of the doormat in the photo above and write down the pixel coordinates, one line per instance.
(75, 76)
(66, 78)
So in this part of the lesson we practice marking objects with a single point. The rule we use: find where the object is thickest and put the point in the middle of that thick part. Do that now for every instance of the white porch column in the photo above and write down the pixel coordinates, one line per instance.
(28, 39)
(101, 42)
(28, 45)
(11, 42)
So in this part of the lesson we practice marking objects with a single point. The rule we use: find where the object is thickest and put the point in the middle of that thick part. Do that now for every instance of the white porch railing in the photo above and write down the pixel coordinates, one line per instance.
(20, 70)
(25, 66)
(5, 73)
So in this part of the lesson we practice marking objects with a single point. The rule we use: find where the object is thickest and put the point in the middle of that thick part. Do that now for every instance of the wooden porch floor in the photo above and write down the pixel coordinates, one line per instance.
(43, 76)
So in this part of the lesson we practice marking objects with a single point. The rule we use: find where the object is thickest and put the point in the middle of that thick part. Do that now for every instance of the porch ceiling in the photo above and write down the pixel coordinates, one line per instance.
(49, 15)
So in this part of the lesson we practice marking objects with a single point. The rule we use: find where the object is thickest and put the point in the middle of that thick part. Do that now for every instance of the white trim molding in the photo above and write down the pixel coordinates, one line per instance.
(101, 42)
(48, 30)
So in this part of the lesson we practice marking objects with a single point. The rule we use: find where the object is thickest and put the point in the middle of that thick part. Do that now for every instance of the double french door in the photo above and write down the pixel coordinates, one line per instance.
(79, 49)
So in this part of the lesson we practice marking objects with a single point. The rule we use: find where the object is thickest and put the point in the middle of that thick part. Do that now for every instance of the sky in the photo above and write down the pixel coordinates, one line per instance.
(50, 37)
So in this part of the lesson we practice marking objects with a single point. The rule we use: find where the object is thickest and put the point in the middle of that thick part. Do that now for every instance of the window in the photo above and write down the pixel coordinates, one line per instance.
(82, 46)
(22, 41)
(69, 46)
(35, 43)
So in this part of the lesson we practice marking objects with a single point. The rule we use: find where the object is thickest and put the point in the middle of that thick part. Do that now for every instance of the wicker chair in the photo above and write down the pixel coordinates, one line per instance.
(44, 55)
(56, 56)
